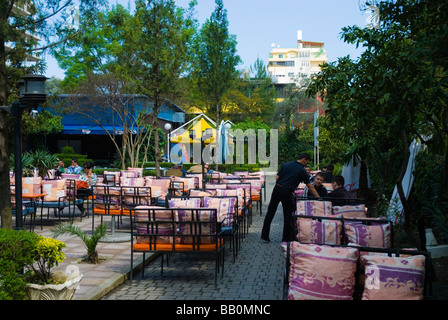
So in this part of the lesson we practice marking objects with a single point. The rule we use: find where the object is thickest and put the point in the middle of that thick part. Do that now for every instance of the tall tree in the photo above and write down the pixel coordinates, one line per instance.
(147, 52)
(162, 51)
(395, 92)
(216, 60)
(47, 20)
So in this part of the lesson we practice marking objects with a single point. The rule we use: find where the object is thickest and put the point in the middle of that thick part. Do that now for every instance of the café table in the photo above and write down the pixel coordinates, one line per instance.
(33, 198)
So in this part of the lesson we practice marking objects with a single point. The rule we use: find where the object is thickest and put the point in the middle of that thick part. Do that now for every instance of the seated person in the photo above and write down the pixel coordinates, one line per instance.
(174, 172)
(198, 168)
(60, 169)
(82, 193)
(318, 185)
(329, 174)
(339, 192)
(181, 168)
(308, 171)
(74, 168)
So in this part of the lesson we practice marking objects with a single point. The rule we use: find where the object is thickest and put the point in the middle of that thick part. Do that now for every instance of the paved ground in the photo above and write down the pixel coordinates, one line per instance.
(255, 275)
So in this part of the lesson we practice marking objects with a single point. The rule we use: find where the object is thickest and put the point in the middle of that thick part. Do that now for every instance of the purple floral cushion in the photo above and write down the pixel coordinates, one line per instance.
(224, 206)
(375, 235)
(197, 226)
(320, 272)
(314, 231)
(161, 227)
(393, 278)
(314, 208)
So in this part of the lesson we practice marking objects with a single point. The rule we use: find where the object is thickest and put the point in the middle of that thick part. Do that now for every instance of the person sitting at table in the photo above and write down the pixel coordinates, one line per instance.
(318, 181)
(329, 174)
(181, 168)
(174, 171)
(198, 168)
(74, 168)
(60, 169)
(89, 178)
(339, 193)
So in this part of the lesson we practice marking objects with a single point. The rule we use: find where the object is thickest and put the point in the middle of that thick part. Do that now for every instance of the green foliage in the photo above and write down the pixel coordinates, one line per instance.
(44, 124)
(16, 252)
(90, 241)
(68, 154)
(427, 185)
(216, 60)
(290, 145)
(48, 254)
(394, 92)
(41, 160)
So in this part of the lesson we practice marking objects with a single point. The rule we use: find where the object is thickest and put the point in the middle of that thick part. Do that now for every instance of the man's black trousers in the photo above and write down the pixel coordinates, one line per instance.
(284, 196)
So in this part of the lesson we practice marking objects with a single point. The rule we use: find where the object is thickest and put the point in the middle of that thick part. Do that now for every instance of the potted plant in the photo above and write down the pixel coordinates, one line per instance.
(44, 284)
(89, 241)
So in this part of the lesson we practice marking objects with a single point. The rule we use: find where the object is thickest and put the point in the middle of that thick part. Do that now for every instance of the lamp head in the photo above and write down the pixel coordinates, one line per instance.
(32, 89)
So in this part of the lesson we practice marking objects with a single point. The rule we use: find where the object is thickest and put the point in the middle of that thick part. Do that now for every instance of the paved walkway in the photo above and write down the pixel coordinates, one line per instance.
(255, 275)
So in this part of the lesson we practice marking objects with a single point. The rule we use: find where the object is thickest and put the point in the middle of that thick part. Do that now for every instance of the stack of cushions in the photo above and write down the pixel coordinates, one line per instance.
(161, 229)
(54, 189)
(189, 183)
(225, 208)
(202, 193)
(315, 231)
(327, 231)
(31, 185)
(188, 230)
(159, 187)
(318, 272)
(321, 272)
(393, 278)
(108, 198)
(239, 193)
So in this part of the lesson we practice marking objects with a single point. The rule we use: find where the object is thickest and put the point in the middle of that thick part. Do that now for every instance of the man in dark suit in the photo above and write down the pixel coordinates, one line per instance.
(290, 175)
(339, 193)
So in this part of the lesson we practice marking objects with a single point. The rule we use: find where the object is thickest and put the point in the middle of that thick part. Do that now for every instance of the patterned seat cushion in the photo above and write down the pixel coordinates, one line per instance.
(160, 227)
(319, 232)
(320, 272)
(358, 211)
(225, 208)
(314, 208)
(393, 278)
(374, 235)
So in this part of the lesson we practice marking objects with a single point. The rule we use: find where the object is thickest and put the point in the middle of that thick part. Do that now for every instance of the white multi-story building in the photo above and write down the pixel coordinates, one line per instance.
(288, 65)
(24, 9)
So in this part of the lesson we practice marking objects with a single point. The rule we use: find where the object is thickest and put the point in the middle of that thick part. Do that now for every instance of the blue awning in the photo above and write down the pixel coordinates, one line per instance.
(86, 129)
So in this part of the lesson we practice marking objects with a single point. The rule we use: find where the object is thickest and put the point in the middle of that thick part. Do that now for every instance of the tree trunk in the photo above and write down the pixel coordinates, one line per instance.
(5, 192)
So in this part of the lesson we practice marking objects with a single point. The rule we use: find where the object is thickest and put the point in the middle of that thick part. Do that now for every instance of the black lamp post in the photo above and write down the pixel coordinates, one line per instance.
(32, 93)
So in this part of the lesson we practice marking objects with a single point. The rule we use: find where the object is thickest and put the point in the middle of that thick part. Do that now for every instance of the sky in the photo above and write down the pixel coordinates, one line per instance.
(258, 24)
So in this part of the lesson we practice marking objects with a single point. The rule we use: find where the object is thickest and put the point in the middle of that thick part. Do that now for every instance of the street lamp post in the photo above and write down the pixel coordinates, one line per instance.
(168, 128)
(32, 93)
